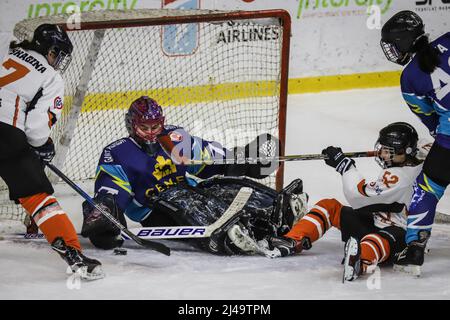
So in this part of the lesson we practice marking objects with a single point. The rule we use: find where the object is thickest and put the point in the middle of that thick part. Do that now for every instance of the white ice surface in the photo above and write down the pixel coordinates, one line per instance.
(350, 119)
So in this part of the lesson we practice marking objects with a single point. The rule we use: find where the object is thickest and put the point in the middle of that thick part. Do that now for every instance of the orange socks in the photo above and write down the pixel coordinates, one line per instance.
(374, 250)
(320, 218)
(327, 213)
(50, 218)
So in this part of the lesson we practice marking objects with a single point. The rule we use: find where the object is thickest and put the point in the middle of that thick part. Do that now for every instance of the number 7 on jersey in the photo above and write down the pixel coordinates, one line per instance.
(19, 72)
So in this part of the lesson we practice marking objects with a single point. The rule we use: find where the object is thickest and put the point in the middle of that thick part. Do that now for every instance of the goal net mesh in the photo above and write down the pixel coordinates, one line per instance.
(220, 80)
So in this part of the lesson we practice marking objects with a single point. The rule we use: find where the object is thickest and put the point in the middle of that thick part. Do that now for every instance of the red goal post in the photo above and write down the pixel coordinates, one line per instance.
(222, 75)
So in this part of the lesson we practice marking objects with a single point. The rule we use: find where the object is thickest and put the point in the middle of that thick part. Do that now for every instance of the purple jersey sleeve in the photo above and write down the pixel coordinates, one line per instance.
(196, 148)
(428, 95)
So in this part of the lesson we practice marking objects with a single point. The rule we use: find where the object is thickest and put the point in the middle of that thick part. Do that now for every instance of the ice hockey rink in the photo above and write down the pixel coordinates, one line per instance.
(349, 119)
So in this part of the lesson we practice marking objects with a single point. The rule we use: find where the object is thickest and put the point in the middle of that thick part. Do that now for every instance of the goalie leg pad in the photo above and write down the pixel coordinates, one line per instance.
(290, 206)
(258, 209)
(199, 206)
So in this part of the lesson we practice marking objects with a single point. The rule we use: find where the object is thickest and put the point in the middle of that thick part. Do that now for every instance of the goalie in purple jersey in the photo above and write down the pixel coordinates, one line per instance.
(425, 85)
(143, 177)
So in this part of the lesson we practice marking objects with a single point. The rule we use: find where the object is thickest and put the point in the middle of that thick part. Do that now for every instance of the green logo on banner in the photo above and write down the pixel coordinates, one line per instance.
(338, 4)
(52, 8)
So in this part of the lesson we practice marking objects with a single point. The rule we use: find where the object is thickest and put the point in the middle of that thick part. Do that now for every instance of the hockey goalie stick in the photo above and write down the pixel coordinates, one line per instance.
(143, 242)
(184, 232)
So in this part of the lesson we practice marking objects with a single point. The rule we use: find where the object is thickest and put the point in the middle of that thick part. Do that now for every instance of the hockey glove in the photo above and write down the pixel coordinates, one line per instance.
(423, 149)
(46, 152)
(337, 159)
(102, 233)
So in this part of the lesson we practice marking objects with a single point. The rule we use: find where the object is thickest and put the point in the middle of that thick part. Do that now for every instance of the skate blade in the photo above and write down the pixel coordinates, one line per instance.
(247, 244)
(351, 249)
(349, 274)
(275, 253)
(408, 269)
(264, 249)
(96, 274)
(83, 274)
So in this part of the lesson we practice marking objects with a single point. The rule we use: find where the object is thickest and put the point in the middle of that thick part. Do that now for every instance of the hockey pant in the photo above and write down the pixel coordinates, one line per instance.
(429, 188)
(24, 175)
(377, 245)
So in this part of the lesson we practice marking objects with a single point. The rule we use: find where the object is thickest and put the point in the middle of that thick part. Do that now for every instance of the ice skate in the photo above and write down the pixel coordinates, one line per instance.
(87, 268)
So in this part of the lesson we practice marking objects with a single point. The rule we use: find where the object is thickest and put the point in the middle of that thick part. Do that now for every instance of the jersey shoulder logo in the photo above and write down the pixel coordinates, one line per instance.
(175, 136)
(58, 103)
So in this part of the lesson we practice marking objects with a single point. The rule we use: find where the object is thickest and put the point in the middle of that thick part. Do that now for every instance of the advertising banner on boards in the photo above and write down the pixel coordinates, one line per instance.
(329, 37)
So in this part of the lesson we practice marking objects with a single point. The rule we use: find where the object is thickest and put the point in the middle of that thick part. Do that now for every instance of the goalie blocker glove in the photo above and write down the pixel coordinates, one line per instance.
(337, 159)
(264, 146)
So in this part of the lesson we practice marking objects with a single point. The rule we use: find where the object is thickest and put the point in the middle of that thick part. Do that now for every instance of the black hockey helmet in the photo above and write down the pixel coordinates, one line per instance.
(399, 35)
(398, 138)
(52, 38)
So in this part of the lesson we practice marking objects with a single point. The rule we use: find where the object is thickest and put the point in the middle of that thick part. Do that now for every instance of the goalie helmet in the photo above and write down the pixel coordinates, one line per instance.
(399, 35)
(52, 38)
(396, 139)
(144, 121)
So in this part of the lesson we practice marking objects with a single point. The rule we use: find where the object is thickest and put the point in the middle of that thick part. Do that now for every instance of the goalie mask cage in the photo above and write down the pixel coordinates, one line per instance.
(221, 75)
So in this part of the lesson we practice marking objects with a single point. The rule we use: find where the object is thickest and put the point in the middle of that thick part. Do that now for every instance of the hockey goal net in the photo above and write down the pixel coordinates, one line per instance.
(220, 75)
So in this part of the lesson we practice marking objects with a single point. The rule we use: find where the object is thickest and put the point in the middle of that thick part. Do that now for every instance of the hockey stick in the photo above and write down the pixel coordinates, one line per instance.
(298, 157)
(146, 243)
(185, 232)
(179, 232)
(267, 148)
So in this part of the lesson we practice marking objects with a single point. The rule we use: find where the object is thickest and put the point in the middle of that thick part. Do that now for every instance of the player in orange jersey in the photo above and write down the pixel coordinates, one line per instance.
(374, 224)
(31, 100)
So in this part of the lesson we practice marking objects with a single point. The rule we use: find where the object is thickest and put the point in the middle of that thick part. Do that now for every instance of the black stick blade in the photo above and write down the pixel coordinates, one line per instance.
(146, 243)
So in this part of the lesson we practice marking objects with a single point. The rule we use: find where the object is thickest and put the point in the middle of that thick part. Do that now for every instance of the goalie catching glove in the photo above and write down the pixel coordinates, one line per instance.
(253, 160)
